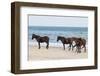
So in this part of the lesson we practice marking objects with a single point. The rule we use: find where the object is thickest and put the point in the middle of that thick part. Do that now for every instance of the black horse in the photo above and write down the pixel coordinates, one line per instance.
(65, 41)
(41, 40)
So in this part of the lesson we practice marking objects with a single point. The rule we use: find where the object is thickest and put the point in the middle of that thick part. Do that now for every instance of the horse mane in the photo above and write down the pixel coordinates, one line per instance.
(61, 37)
(36, 35)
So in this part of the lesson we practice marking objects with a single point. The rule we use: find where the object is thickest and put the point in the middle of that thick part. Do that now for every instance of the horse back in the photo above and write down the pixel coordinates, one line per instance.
(43, 39)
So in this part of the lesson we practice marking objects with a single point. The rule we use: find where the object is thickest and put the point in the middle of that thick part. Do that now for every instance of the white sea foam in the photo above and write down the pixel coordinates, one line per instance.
(44, 44)
(50, 44)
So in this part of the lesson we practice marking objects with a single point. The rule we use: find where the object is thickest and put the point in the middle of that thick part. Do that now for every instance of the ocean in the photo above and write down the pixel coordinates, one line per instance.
(53, 32)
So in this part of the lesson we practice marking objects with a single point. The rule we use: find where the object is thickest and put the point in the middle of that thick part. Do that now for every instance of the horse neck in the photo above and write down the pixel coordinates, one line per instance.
(62, 40)
(37, 37)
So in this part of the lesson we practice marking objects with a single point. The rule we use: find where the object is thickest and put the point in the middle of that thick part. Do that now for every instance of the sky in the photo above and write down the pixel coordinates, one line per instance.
(66, 21)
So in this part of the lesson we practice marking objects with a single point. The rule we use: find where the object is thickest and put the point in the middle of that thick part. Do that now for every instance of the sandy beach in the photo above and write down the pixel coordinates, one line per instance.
(53, 53)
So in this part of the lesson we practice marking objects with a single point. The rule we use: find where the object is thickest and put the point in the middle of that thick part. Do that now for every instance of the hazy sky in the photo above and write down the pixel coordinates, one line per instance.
(67, 21)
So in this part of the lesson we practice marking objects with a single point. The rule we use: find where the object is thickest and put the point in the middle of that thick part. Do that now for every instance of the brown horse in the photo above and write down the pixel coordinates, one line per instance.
(80, 42)
(41, 40)
(65, 41)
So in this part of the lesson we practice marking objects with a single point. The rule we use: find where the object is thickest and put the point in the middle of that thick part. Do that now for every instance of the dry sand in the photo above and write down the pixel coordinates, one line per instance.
(53, 53)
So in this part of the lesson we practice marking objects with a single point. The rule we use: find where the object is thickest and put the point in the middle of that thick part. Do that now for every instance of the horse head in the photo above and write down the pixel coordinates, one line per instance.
(59, 38)
(34, 36)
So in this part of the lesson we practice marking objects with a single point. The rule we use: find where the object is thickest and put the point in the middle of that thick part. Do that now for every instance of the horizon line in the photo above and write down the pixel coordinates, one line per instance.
(55, 26)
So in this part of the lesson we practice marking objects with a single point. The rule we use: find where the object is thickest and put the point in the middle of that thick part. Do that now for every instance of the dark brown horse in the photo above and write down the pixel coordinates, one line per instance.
(80, 42)
(65, 41)
(41, 40)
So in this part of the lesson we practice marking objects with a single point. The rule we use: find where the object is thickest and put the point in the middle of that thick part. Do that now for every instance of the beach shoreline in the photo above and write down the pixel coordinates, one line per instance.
(54, 53)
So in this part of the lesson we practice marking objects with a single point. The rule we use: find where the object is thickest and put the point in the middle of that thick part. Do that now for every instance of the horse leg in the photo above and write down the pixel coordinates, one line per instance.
(64, 46)
(47, 45)
(79, 49)
(76, 49)
(39, 44)
(84, 48)
(69, 47)
(73, 47)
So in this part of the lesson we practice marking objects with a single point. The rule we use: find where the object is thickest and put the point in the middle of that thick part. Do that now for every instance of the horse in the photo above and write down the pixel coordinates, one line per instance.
(79, 42)
(65, 41)
(40, 39)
